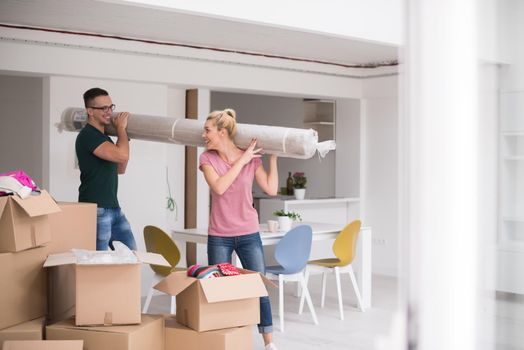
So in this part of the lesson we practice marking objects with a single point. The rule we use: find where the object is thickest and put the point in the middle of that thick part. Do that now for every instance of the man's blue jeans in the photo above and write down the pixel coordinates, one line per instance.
(249, 251)
(112, 225)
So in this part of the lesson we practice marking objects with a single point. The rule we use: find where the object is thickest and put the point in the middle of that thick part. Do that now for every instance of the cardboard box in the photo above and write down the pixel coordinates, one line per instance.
(23, 294)
(31, 330)
(216, 303)
(43, 345)
(61, 293)
(107, 294)
(147, 335)
(179, 337)
(24, 223)
(73, 227)
(23, 297)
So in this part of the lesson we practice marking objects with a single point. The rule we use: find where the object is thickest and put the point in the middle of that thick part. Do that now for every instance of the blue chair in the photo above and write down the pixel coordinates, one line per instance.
(292, 254)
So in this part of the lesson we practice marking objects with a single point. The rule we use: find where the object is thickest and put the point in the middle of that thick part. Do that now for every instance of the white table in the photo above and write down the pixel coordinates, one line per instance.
(321, 231)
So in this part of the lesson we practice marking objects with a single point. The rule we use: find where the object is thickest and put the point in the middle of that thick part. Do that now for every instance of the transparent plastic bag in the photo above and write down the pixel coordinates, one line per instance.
(121, 255)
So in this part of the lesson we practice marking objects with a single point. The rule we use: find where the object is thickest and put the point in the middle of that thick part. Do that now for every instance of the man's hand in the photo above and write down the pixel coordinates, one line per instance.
(120, 121)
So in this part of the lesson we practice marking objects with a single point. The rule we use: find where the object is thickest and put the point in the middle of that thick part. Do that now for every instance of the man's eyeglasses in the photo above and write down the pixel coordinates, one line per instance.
(105, 108)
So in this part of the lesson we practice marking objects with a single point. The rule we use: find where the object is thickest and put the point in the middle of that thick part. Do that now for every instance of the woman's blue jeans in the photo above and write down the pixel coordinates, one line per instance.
(251, 254)
(112, 225)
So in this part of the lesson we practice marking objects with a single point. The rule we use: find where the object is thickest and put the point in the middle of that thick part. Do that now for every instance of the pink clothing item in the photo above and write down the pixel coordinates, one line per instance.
(23, 178)
(232, 213)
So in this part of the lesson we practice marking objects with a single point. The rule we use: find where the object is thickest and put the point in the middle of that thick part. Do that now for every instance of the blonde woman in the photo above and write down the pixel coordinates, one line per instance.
(233, 224)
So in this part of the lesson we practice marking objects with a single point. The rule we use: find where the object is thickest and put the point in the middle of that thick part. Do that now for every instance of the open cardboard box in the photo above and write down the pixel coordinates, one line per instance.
(73, 227)
(24, 223)
(107, 294)
(216, 303)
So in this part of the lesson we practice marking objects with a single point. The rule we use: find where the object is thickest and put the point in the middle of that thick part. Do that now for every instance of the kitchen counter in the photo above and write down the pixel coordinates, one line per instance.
(326, 210)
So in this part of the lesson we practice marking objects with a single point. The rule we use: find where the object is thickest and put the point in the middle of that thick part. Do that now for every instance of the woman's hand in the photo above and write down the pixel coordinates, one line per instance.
(250, 153)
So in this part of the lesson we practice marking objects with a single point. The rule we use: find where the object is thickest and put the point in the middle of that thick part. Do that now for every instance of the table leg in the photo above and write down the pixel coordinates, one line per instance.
(191, 253)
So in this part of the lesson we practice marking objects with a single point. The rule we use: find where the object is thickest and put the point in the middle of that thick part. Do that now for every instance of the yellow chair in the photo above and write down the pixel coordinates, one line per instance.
(157, 241)
(344, 249)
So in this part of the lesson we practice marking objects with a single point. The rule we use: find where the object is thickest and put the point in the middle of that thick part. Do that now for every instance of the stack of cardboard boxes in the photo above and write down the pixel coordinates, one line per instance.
(38, 231)
(30, 230)
(104, 299)
(108, 308)
(214, 313)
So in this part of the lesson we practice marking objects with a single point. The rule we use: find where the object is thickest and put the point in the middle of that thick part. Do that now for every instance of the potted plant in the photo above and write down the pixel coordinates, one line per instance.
(286, 218)
(299, 185)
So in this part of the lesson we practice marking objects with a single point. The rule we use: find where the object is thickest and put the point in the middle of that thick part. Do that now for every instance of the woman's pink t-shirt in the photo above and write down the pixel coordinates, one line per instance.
(232, 213)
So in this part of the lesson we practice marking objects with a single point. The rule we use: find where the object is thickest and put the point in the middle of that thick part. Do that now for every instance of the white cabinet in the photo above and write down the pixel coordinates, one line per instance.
(320, 116)
(328, 210)
(511, 224)
(510, 240)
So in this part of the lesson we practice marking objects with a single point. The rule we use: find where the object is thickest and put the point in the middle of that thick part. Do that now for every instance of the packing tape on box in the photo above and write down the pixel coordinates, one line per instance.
(34, 240)
(284, 142)
(108, 318)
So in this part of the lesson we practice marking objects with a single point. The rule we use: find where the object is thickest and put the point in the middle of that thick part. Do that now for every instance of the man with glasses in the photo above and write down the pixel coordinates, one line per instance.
(100, 161)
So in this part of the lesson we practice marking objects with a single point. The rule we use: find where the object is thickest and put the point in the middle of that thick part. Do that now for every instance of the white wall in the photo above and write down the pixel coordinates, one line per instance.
(175, 157)
(203, 196)
(21, 126)
(350, 150)
(380, 183)
(143, 189)
(440, 174)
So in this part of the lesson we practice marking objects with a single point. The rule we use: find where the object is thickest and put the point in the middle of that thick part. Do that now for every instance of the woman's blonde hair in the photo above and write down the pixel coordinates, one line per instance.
(226, 119)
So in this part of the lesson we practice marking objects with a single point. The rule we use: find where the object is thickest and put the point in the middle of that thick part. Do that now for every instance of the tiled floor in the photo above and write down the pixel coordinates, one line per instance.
(359, 330)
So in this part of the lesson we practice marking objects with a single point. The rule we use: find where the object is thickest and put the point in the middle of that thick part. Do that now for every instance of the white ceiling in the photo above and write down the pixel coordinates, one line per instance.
(166, 25)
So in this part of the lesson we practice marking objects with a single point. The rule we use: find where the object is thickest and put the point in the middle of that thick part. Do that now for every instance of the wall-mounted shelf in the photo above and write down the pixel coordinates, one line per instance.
(317, 100)
(513, 218)
(512, 247)
(512, 133)
(320, 123)
(320, 115)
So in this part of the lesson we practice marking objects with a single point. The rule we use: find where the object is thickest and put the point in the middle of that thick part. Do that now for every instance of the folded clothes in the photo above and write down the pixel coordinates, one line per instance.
(228, 269)
(17, 182)
(218, 270)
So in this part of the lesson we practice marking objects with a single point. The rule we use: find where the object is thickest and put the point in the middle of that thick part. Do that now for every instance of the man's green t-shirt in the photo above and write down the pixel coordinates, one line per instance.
(98, 177)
